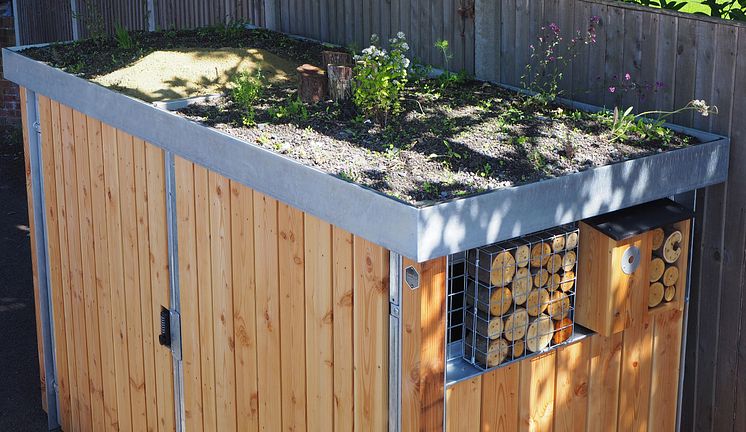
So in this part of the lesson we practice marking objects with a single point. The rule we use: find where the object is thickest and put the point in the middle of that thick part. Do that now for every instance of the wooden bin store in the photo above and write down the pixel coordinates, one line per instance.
(187, 280)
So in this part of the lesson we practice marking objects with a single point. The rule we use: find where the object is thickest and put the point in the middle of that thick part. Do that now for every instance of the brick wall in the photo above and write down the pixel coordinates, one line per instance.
(10, 103)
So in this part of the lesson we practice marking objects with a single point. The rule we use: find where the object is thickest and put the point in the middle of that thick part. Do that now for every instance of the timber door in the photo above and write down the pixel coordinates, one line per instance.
(105, 212)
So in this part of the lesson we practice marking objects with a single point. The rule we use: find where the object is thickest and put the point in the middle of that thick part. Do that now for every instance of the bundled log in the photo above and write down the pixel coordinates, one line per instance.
(484, 324)
(569, 260)
(656, 294)
(657, 236)
(491, 265)
(558, 243)
(572, 241)
(521, 285)
(671, 276)
(518, 348)
(672, 246)
(539, 334)
(340, 82)
(537, 302)
(336, 58)
(503, 269)
(559, 306)
(555, 281)
(555, 263)
(492, 354)
(562, 331)
(568, 281)
(541, 278)
(522, 255)
(311, 84)
(657, 267)
(496, 301)
(669, 293)
(540, 254)
(516, 325)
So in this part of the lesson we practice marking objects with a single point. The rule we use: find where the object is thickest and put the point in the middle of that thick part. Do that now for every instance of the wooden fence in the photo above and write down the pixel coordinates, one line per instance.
(696, 57)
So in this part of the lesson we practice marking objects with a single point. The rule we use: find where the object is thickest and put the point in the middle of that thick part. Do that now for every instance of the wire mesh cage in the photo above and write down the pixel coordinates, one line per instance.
(516, 298)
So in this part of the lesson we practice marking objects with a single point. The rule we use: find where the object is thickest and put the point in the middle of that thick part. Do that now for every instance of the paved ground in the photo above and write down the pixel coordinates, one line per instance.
(20, 396)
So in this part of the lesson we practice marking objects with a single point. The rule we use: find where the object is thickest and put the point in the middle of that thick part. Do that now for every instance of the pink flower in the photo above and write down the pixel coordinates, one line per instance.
(612, 89)
(627, 77)
(555, 28)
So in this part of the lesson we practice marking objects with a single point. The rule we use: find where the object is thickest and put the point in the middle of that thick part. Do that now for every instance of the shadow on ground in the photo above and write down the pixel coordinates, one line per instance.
(20, 394)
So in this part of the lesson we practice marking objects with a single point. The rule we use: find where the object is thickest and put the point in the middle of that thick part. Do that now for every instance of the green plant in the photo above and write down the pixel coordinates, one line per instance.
(624, 123)
(448, 78)
(123, 38)
(380, 78)
(486, 170)
(247, 88)
(294, 108)
(550, 56)
(430, 188)
(91, 18)
(726, 9)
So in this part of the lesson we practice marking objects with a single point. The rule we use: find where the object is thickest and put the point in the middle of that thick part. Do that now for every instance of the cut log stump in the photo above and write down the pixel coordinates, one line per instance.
(656, 294)
(336, 58)
(311, 84)
(540, 333)
(671, 276)
(657, 267)
(672, 246)
(340, 82)
(516, 325)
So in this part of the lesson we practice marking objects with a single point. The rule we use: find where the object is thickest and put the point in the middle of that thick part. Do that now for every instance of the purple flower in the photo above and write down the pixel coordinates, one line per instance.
(595, 19)
(612, 89)
(627, 77)
(552, 58)
(660, 84)
(555, 28)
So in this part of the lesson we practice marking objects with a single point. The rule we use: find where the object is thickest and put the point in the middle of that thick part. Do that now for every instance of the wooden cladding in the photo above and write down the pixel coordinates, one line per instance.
(105, 214)
(284, 316)
(626, 382)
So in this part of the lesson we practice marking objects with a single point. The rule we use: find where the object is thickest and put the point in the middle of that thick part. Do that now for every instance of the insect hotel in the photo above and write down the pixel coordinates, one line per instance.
(193, 280)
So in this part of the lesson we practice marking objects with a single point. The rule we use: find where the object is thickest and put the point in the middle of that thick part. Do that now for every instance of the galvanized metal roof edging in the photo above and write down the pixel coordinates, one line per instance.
(418, 233)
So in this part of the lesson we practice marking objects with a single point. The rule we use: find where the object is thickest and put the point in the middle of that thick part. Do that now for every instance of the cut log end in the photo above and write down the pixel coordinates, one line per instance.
(484, 325)
(568, 261)
(503, 269)
(522, 255)
(563, 330)
(656, 238)
(521, 285)
(538, 300)
(555, 263)
(518, 348)
(559, 306)
(672, 247)
(541, 278)
(572, 241)
(656, 294)
(669, 293)
(558, 243)
(516, 325)
(671, 276)
(539, 334)
(568, 281)
(657, 267)
(540, 254)
(336, 58)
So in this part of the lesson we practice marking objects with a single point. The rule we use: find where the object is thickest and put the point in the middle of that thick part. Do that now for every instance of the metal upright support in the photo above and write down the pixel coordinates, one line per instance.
(75, 22)
(688, 200)
(175, 303)
(151, 15)
(46, 316)
(395, 334)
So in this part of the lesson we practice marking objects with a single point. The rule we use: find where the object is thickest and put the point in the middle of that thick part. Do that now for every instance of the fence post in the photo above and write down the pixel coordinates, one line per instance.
(270, 14)
(487, 39)
(150, 4)
(74, 19)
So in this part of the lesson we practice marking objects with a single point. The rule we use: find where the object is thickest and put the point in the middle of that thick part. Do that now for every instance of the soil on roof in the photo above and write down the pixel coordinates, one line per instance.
(451, 140)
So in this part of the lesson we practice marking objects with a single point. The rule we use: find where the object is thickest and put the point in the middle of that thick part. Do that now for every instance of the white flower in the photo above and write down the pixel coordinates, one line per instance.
(405, 62)
(405, 46)
(400, 35)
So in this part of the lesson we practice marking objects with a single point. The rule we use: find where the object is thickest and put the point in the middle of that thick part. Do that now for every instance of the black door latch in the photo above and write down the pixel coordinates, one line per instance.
(165, 337)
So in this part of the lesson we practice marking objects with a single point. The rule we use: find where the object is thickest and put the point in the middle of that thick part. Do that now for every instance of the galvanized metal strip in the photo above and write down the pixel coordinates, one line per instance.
(689, 200)
(16, 23)
(74, 22)
(364, 212)
(42, 259)
(511, 212)
(175, 291)
(151, 14)
(418, 233)
(395, 342)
